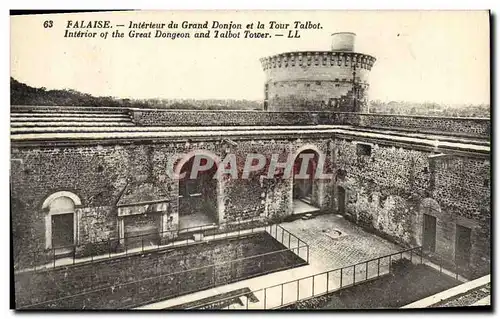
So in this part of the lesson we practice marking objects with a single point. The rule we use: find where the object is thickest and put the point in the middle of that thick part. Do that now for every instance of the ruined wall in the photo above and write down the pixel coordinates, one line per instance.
(386, 192)
(98, 175)
(167, 268)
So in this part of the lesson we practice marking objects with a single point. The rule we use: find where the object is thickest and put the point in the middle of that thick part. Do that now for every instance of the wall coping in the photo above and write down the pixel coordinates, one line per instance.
(450, 293)
(138, 109)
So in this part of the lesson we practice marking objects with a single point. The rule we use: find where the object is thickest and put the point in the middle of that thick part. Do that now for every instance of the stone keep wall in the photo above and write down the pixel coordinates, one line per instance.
(476, 127)
(455, 126)
(387, 191)
(167, 266)
(99, 174)
(462, 186)
(149, 117)
(317, 81)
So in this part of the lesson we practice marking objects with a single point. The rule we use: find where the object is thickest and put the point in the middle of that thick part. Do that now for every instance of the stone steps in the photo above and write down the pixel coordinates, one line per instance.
(93, 123)
(69, 119)
(62, 115)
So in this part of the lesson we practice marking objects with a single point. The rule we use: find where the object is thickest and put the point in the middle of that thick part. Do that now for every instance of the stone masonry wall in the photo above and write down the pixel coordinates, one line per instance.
(477, 127)
(451, 125)
(317, 81)
(166, 268)
(333, 113)
(98, 175)
(150, 117)
(387, 190)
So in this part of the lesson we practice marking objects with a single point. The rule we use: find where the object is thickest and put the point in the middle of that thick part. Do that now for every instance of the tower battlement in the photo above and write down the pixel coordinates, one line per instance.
(335, 80)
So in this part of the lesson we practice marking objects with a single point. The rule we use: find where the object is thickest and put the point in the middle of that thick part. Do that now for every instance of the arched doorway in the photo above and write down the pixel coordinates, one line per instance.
(198, 194)
(60, 221)
(304, 188)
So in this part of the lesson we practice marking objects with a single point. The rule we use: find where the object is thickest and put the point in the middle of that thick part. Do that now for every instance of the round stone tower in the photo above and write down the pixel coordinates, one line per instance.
(335, 80)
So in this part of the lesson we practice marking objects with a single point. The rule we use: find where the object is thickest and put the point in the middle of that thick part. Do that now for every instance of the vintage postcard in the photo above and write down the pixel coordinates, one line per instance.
(250, 160)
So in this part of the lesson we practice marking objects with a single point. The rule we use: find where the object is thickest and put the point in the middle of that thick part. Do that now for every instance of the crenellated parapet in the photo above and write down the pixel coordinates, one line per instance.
(351, 60)
(335, 80)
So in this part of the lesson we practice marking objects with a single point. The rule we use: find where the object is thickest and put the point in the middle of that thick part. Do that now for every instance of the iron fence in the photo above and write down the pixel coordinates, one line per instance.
(40, 260)
(94, 250)
(291, 292)
(174, 284)
(286, 238)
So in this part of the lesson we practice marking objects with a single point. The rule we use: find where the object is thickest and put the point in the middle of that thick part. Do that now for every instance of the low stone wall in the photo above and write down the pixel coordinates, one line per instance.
(152, 117)
(141, 278)
(459, 126)
(477, 127)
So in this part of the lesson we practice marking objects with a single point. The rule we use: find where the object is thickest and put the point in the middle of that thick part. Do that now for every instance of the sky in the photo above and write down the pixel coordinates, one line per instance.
(422, 56)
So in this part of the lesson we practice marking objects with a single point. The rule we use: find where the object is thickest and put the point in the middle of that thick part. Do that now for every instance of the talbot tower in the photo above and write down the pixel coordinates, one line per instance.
(335, 80)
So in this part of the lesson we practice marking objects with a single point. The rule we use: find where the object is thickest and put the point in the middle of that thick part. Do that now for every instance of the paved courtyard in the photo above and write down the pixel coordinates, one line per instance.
(327, 251)
(333, 243)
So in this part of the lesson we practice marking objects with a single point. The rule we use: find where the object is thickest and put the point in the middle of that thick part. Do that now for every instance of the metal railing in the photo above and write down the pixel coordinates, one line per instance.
(179, 283)
(286, 238)
(444, 265)
(97, 250)
(290, 292)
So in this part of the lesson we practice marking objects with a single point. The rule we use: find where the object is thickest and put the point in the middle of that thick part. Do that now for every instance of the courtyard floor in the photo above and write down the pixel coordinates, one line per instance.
(333, 243)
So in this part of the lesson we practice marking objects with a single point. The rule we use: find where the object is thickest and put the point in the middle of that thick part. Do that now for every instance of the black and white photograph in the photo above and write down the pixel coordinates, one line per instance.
(250, 160)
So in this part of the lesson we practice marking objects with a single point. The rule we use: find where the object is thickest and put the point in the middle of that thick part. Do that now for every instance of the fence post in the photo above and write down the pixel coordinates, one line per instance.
(390, 260)
(282, 235)
(289, 238)
(298, 289)
(213, 275)
(142, 244)
(265, 295)
(378, 267)
(327, 280)
(281, 294)
(313, 285)
(341, 275)
(74, 255)
(421, 253)
(354, 275)
(366, 269)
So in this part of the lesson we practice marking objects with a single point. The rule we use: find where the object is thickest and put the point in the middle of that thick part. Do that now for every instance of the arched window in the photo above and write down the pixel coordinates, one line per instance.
(60, 220)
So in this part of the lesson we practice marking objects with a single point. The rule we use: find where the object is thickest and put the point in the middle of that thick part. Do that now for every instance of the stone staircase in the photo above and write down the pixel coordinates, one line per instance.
(306, 199)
